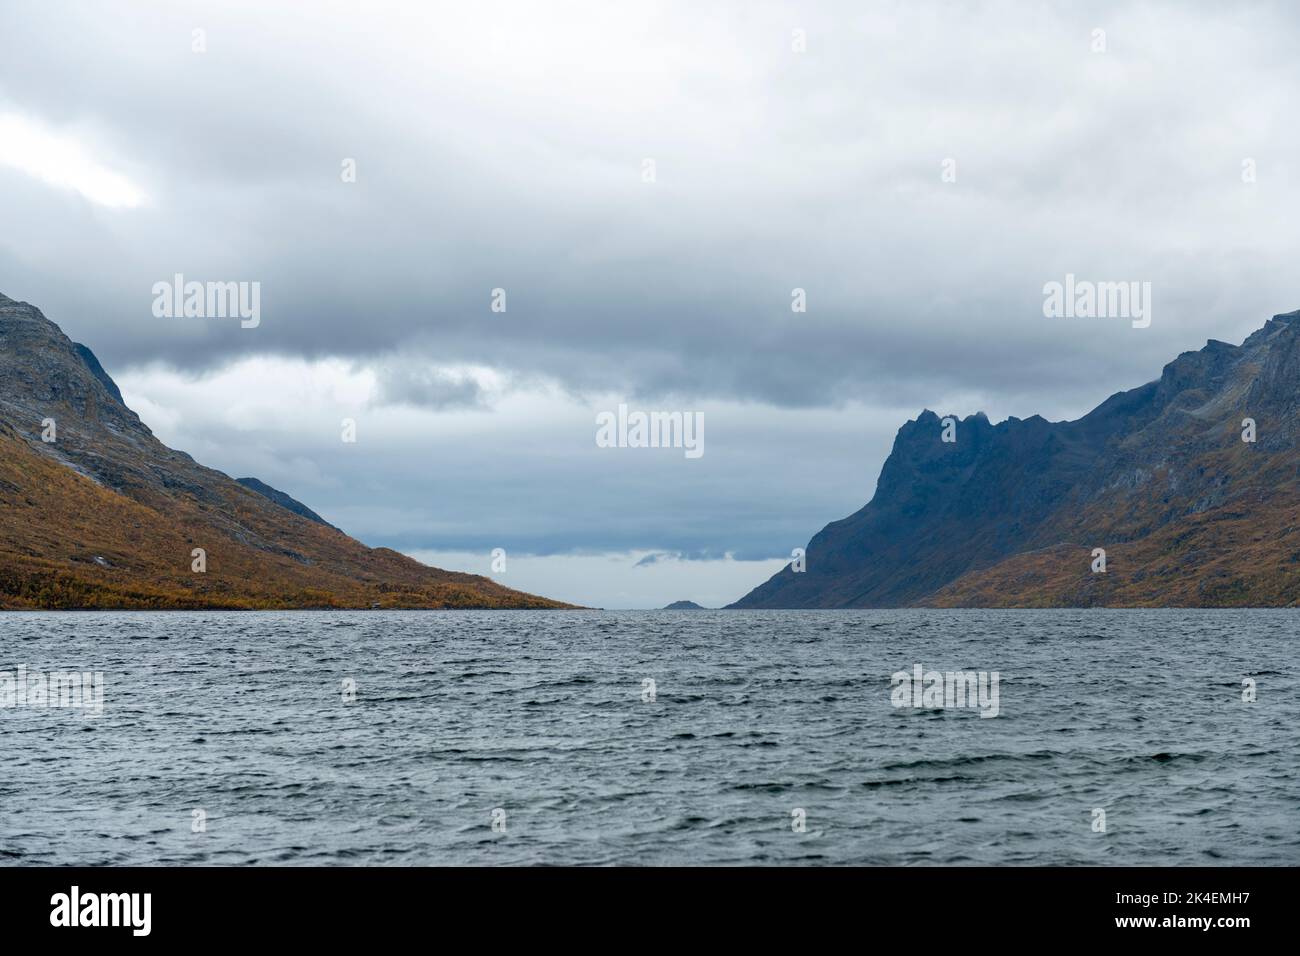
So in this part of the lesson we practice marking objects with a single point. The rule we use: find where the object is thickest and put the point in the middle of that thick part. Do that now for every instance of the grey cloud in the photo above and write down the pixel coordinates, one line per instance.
(1068, 161)
(500, 145)
(701, 555)
(428, 388)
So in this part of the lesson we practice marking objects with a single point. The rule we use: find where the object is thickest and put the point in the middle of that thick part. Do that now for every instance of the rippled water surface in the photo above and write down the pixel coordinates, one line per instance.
(755, 715)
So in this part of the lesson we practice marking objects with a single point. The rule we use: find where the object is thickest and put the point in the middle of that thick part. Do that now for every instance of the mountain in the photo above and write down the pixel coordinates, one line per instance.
(684, 606)
(104, 515)
(283, 500)
(1008, 515)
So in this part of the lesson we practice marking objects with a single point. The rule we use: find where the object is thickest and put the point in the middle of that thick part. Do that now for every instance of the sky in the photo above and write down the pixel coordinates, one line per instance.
(647, 184)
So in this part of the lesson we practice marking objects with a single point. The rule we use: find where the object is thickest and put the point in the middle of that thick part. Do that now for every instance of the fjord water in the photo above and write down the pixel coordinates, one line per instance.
(756, 714)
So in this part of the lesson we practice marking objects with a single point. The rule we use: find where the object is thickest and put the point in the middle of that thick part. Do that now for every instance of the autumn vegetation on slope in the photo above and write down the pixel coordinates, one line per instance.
(67, 542)
(106, 516)
(1244, 552)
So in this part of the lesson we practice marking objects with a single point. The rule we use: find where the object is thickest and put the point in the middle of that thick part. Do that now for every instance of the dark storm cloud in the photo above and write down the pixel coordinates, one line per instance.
(819, 171)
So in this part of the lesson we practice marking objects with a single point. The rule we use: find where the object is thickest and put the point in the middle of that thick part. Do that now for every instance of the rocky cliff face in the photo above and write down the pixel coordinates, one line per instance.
(1159, 477)
(102, 514)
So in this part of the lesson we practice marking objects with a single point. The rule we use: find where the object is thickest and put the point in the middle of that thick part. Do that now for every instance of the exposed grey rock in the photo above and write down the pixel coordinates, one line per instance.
(283, 500)
(45, 375)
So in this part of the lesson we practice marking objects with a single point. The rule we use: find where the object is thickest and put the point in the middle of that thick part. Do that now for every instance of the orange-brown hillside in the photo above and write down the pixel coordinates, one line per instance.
(106, 516)
(1243, 552)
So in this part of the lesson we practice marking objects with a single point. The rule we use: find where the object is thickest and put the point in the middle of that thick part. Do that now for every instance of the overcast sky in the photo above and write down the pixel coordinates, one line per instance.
(505, 146)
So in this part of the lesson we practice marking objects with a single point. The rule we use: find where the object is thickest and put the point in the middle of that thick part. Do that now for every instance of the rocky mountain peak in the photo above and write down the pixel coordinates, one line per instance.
(1020, 502)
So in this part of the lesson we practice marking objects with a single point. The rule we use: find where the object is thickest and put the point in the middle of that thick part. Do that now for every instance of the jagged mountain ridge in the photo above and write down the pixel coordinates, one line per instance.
(106, 516)
(1158, 476)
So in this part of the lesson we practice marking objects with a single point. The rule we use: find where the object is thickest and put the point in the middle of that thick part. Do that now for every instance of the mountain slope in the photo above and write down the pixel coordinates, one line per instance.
(106, 516)
(1159, 477)
(283, 500)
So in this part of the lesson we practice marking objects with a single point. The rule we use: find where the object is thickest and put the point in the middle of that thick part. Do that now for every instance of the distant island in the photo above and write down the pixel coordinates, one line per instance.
(1184, 492)
(684, 606)
(95, 512)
